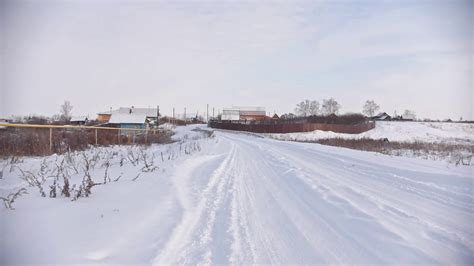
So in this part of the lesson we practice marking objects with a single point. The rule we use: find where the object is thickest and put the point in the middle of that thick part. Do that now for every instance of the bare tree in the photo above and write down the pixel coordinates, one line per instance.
(66, 111)
(302, 108)
(313, 108)
(409, 114)
(307, 108)
(330, 106)
(288, 116)
(370, 108)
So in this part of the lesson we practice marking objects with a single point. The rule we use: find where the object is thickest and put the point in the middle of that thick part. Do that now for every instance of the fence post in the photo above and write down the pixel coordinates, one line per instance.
(118, 137)
(96, 142)
(50, 139)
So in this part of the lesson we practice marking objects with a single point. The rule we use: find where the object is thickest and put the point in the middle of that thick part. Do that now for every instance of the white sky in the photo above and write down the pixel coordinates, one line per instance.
(99, 54)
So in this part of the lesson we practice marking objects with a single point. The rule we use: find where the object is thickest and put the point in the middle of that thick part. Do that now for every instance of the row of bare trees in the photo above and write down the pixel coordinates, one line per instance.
(312, 107)
(331, 107)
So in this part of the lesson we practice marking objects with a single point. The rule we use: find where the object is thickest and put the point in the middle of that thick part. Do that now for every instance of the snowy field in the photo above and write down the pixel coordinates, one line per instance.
(433, 132)
(236, 198)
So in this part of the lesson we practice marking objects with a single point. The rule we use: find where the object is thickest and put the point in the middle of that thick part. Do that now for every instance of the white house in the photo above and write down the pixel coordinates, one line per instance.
(243, 113)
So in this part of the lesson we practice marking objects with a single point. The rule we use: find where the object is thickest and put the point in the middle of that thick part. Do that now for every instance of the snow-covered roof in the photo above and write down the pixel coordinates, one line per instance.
(242, 111)
(79, 118)
(149, 112)
(245, 108)
(106, 112)
(127, 118)
(382, 116)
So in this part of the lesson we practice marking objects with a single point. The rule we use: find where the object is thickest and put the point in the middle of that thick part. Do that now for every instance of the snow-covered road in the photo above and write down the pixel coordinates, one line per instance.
(246, 200)
(278, 202)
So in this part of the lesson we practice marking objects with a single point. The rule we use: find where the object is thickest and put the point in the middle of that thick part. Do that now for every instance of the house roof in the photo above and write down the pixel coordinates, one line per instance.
(79, 118)
(127, 118)
(105, 113)
(149, 112)
(253, 113)
(245, 108)
(382, 116)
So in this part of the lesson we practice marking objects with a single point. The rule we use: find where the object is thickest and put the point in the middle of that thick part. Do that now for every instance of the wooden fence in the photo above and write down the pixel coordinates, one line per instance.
(288, 127)
(28, 139)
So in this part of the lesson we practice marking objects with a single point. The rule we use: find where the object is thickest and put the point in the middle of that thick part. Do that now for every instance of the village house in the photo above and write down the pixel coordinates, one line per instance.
(382, 117)
(129, 117)
(244, 113)
(79, 120)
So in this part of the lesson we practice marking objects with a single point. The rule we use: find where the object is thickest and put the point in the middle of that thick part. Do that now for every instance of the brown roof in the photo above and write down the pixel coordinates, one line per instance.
(253, 113)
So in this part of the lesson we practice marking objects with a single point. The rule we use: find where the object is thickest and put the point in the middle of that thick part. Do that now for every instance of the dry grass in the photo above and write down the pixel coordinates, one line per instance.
(75, 174)
(35, 141)
(456, 153)
(347, 119)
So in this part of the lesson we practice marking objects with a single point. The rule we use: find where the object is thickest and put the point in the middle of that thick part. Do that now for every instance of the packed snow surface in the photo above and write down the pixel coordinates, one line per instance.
(244, 200)
(462, 133)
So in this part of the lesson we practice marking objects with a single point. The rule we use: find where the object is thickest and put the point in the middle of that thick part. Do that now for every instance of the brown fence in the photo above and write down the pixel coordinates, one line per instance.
(26, 139)
(284, 127)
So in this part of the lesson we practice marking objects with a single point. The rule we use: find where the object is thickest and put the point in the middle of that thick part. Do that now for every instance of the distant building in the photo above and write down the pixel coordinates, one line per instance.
(4, 121)
(104, 117)
(79, 120)
(382, 117)
(243, 113)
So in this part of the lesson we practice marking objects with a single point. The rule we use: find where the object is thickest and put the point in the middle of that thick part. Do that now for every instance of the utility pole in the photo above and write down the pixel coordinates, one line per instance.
(207, 113)
(157, 115)
(51, 140)
(213, 117)
(174, 119)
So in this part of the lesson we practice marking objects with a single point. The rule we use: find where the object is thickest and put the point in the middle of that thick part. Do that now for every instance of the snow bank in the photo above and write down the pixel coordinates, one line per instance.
(167, 126)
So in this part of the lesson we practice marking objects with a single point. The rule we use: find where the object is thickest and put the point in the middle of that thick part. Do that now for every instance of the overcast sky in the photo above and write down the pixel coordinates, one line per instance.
(99, 54)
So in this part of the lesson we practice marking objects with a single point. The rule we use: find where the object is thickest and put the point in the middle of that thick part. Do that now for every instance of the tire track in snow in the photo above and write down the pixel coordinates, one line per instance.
(272, 203)
(394, 217)
(263, 187)
(191, 238)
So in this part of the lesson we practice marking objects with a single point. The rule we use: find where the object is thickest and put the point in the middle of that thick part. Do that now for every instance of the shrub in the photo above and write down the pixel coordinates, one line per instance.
(348, 119)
